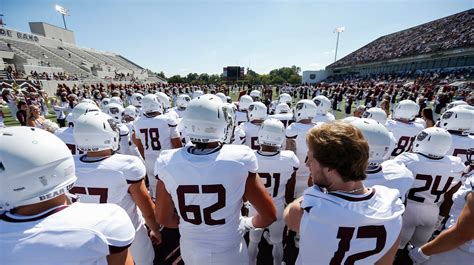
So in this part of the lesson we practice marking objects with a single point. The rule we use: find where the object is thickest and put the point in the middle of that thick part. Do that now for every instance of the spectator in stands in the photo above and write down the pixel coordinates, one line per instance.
(21, 114)
(385, 104)
(34, 117)
(60, 106)
(10, 99)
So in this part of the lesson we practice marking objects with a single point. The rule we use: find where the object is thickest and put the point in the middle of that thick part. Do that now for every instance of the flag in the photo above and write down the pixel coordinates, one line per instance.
(339, 29)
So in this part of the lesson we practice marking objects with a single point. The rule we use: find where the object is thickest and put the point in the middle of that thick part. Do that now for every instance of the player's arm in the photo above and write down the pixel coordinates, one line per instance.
(123, 257)
(293, 214)
(448, 200)
(387, 259)
(139, 145)
(290, 188)
(458, 234)
(143, 200)
(176, 142)
(164, 207)
(291, 144)
(258, 196)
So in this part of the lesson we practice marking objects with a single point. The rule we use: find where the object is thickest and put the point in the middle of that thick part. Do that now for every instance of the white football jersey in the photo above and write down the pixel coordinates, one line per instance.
(66, 135)
(107, 180)
(275, 169)
(240, 117)
(433, 177)
(251, 134)
(285, 118)
(155, 134)
(323, 118)
(179, 112)
(404, 133)
(348, 229)
(76, 234)
(207, 191)
(459, 200)
(239, 136)
(420, 121)
(124, 139)
(460, 145)
(298, 131)
(391, 174)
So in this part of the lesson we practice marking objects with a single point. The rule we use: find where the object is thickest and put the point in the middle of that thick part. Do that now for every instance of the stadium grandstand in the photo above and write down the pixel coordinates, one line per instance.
(49, 54)
(444, 43)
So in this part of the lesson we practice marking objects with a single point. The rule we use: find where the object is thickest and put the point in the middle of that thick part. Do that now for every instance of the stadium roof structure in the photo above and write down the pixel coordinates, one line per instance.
(455, 32)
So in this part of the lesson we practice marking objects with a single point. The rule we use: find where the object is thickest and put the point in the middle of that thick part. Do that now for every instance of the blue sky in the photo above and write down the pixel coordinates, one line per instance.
(202, 36)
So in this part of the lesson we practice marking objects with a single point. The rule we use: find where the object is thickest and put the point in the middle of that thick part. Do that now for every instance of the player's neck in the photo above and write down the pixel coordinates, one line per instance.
(37, 208)
(350, 187)
(102, 153)
(305, 121)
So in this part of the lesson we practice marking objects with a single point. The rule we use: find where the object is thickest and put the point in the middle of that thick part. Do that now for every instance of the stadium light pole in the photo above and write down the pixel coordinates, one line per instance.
(64, 12)
(339, 30)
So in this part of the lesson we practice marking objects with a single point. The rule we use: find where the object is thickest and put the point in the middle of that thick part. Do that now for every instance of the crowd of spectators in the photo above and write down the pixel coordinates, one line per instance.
(451, 32)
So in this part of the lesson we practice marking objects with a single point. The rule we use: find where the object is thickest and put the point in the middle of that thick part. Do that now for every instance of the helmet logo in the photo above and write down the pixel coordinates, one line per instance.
(43, 180)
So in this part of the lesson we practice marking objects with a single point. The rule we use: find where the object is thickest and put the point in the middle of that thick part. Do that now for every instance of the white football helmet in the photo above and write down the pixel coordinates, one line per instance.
(432, 142)
(96, 131)
(131, 111)
(116, 100)
(272, 133)
(257, 111)
(244, 102)
(197, 93)
(377, 114)
(104, 102)
(88, 100)
(378, 138)
(350, 119)
(35, 166)
(285, 98)
(206, 119)
(405, 110)
(456, 103)
(323, 104)
(255, 95)
(459, 119)
(304, 109)
(136, 99)
(80, 109)
(282, 108)
(151, 103)
(164, 99)
(222, 97)
(115, 111)
(182, 101)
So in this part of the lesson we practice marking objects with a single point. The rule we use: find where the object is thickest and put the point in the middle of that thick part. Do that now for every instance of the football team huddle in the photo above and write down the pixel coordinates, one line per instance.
(227, 175)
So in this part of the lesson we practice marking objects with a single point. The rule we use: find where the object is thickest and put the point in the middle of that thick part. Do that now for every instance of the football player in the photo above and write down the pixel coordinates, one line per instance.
(206, 183)
(40, 226)
(343, 220)
(401, 126)
(154, 132)
(458, 121)
(66, 133)
(257, 113)
(391, 174)
(104, 176)
(323, 104)
(283, 113)
(435, 173)
(455, 245)
(277, 171)
(296, 140)
(241, 113)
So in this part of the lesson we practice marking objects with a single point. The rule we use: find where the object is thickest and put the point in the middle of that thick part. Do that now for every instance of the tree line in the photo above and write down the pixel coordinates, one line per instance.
(275, 77)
